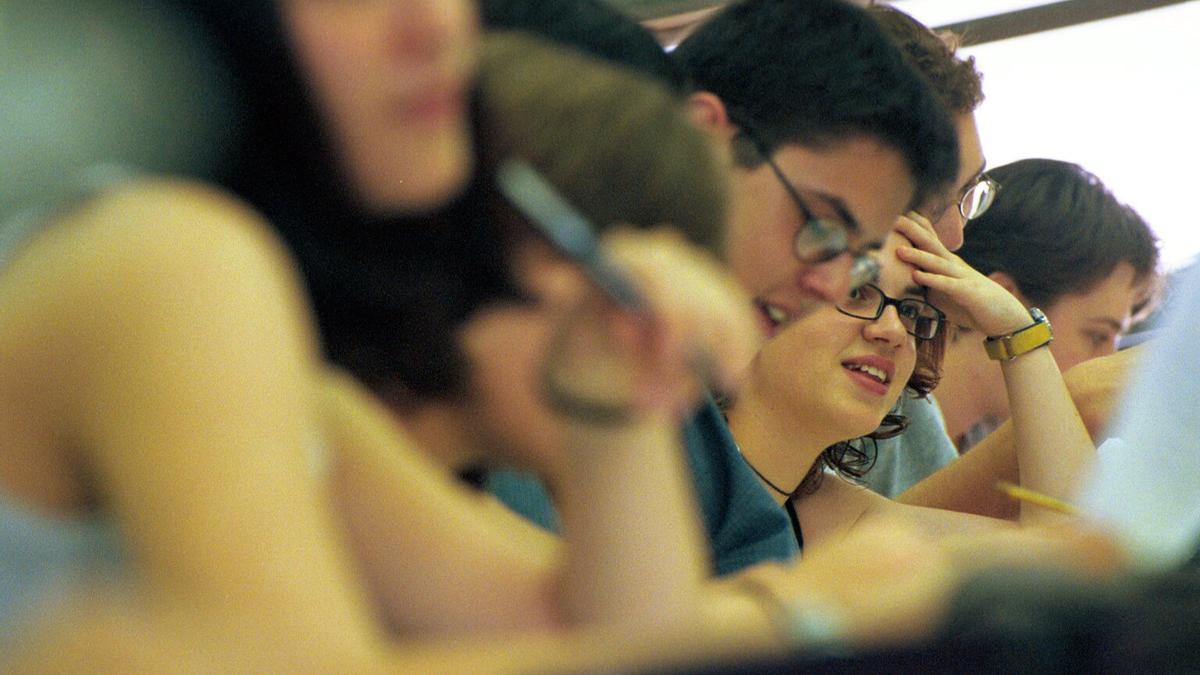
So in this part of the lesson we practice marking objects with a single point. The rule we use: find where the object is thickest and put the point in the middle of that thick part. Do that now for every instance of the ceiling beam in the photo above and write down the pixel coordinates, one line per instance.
(1045, 17)
(1020, 22)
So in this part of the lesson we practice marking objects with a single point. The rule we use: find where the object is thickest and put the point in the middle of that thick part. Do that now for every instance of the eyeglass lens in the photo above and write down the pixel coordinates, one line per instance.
(864, 271)
(818, 240)
(920, 319)
(977, 199)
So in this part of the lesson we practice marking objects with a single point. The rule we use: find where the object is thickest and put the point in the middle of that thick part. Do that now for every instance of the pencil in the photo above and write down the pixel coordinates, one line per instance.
(1045, 501)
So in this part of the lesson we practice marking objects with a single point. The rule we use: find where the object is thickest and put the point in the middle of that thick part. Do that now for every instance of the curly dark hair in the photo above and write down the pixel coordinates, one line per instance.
(851, 459)
(955, 80)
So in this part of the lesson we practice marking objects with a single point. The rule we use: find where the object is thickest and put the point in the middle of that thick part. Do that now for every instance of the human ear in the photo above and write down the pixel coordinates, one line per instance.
(708, 113)
(1009, 284)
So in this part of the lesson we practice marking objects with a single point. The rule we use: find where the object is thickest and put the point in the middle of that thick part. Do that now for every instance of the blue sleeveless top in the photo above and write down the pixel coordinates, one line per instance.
(41, 555)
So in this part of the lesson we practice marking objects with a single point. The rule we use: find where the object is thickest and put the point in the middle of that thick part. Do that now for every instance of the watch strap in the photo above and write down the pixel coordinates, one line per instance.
(1021, 341)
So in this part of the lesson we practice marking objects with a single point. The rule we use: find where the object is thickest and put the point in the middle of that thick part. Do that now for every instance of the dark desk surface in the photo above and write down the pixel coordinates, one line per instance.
(1018, 622)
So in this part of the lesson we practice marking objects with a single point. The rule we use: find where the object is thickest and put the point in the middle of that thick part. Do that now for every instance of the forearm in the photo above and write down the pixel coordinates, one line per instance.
(1044, 447)
(1053, 447)
(634, 547)
(405, 517)
(969, 483)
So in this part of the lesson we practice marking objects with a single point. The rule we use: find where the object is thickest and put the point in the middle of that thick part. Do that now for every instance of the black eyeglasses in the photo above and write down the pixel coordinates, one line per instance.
(919, 318)
(818, 240)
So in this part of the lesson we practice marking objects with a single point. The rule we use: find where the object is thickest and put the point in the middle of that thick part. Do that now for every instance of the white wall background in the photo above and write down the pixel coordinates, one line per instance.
(1120, 96)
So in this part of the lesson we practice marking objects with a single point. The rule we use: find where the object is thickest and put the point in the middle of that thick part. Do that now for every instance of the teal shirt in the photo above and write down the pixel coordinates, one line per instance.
(743, 523)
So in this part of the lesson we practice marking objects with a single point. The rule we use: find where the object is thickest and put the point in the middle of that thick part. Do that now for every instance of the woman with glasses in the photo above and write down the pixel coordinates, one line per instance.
(836, 374)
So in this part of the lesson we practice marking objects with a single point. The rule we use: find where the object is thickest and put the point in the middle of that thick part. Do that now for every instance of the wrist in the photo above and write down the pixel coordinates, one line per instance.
(1007, 321)
(1034, 334)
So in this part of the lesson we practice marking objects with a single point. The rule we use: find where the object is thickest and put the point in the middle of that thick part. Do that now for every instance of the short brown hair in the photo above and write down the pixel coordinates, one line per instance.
(955, 80)
(616, 143)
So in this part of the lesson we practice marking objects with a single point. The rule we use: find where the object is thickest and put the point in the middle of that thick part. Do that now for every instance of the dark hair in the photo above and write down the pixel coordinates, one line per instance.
(592, 27)
(616, 144)
(955, 80)
(388, 292)
(1056, 229)
(391, 293)
(814, 72)
(850, 459)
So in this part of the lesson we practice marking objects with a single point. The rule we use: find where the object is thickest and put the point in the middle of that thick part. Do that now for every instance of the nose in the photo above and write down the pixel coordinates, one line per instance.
(949, 228)
(829, 281)
(887, 329)
(429, 27)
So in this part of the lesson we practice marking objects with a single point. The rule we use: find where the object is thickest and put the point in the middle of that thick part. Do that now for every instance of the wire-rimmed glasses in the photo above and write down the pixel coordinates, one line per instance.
(818, 240)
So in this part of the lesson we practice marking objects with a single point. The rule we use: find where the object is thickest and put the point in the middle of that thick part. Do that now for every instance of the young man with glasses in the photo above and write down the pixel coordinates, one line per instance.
(830, 136)
(813, 139)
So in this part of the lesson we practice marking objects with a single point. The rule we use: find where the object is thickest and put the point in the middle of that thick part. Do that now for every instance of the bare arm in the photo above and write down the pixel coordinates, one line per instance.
(968, 484)
(633, 551)
(478, 566)
(171, 342)
(1053, 447)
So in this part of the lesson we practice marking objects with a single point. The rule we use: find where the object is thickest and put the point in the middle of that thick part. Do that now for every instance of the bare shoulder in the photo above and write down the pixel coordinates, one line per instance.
(142, 242)
(161, 220)
(139, 263)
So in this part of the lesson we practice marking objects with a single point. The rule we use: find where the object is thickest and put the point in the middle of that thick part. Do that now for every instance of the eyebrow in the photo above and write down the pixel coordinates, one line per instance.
(839, 207)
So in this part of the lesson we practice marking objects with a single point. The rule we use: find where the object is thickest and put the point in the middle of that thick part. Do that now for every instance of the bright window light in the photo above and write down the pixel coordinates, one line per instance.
(1119, 97)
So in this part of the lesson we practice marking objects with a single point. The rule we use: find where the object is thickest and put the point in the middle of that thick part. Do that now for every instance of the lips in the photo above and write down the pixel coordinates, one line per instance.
(873, 373)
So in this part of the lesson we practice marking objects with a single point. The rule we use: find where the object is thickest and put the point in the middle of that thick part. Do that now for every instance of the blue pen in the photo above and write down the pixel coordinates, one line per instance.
(567, 230)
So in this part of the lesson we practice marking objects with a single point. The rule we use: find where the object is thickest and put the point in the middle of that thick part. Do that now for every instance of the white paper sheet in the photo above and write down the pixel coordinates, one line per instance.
(1147, 483)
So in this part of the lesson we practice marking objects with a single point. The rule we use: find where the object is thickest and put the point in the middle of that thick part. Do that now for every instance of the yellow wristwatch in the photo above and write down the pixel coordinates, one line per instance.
(1020, 341)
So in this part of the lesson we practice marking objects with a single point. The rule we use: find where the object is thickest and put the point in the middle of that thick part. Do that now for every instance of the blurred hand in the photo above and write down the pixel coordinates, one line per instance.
(889, 584)
(696, 330)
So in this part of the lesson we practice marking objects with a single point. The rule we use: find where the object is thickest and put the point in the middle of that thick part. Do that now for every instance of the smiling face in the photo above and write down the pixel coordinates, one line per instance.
(390, 79)
(857, 180)
(838, 373)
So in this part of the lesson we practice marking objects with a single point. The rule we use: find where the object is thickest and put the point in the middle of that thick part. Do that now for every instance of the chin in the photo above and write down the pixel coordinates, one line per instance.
(861, 423)
(441, 176)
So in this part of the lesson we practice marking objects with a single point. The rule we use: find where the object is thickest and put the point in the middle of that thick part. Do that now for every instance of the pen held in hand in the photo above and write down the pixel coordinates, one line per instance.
(566, 229)
(573, 235)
